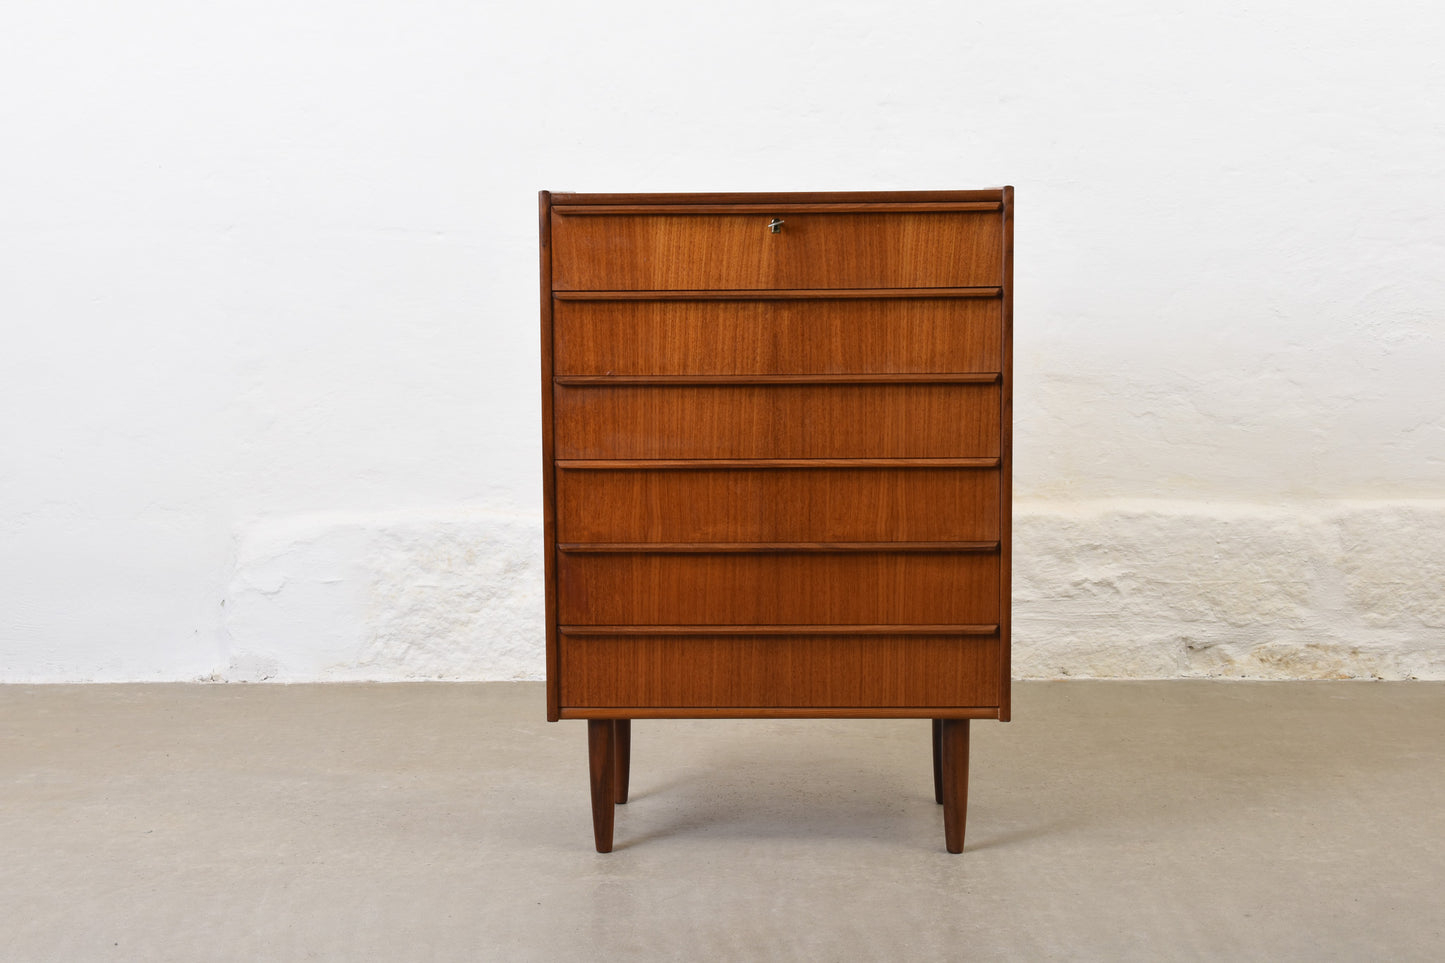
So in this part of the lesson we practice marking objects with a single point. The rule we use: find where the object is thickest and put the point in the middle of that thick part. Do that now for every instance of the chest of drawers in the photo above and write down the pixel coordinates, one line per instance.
(776, 435)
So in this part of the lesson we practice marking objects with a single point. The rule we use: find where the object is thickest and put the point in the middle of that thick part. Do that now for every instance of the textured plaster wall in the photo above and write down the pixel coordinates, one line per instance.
(269, 397)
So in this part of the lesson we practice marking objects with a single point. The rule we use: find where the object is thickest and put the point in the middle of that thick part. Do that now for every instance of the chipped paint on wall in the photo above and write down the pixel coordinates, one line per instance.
(404, 595)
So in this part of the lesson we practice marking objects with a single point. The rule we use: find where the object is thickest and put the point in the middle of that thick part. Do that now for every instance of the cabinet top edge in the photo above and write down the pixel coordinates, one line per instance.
(820, 197)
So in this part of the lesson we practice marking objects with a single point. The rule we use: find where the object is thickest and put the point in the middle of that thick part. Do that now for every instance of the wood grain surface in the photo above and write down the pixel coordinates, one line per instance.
(780, 712)
(790, 421)
(781, 207)
(811, 589)
(786, 197)
(687, 251)
(549, 499)
(1006, 435)
(763, 505)
(780, 294)
(777, 464)
(953, 750)
(602, 768)
(778, 337)
(916, 628)
(774, 671)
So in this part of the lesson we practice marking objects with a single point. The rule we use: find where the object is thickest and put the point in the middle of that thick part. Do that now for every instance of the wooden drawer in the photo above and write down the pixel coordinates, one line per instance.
(833, 336)
(789, 588)
(735, 251)
(816, 671)
(777, 421)
(778, 505)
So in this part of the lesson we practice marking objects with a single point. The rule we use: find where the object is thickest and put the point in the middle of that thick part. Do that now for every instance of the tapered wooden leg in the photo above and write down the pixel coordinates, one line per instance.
(938, 761)
(624, 756)
(955, 782)
(602, 762)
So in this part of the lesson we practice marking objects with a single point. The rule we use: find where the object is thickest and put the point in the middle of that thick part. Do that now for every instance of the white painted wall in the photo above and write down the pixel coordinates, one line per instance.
(269, 381)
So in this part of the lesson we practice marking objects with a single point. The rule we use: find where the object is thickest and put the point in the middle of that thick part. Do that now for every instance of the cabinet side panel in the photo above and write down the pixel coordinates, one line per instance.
(1006, 459)
(549, 493)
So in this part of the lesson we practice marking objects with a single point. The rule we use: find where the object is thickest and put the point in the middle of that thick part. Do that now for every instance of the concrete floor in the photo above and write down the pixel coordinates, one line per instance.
(1110, 821)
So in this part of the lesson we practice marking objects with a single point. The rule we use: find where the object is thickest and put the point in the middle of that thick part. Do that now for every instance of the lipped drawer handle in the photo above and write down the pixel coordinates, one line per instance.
(775, 226)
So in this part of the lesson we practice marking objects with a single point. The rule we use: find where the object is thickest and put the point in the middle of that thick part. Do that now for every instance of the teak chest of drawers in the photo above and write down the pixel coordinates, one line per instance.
(776, 435)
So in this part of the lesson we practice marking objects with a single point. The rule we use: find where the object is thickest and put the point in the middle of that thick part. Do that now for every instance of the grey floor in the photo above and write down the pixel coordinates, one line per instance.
(1109, 821)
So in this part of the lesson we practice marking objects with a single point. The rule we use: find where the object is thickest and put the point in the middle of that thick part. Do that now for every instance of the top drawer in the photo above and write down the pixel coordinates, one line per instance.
(594, 251)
